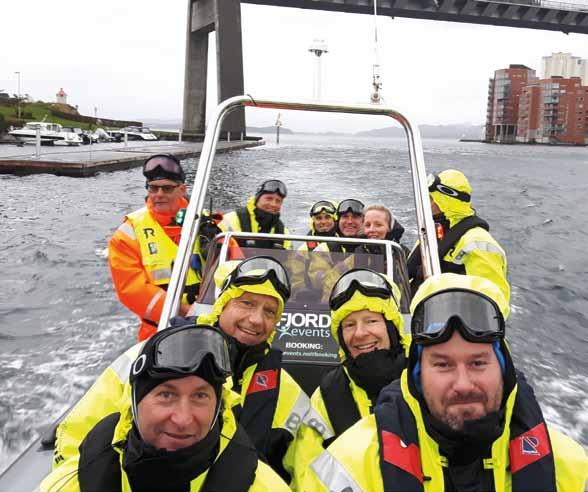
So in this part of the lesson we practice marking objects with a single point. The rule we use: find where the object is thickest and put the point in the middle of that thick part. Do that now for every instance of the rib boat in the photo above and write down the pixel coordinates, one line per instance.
(303, 333)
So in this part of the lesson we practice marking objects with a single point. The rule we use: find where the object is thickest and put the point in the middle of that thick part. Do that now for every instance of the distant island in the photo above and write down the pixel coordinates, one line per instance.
(269, 129)
(464, 131)
(429, 131)
(473, 132)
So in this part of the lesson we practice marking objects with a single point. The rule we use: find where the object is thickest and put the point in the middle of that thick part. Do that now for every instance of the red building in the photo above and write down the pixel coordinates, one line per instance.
(529, 105)
(504, 92)
(553, 111)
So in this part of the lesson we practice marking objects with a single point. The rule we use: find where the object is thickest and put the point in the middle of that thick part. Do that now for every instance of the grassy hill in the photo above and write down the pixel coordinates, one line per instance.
(54, 113)
(36, 112)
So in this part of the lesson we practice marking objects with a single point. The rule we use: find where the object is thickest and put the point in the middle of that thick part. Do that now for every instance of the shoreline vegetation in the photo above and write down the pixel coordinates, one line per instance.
(63, 114)
(69, 116)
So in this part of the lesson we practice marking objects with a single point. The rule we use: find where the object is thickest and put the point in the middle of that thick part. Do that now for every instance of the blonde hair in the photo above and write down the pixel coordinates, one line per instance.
(381, 208)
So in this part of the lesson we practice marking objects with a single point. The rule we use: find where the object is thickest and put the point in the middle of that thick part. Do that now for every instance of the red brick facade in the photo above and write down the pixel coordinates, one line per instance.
(529, 112)
(504, 93)
(522, 108)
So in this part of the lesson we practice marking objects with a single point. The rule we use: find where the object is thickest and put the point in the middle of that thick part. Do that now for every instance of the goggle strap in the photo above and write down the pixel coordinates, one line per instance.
(436, 185)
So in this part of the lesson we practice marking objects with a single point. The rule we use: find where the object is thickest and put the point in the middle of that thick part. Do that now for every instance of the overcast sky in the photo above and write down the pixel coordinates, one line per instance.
(126, 58)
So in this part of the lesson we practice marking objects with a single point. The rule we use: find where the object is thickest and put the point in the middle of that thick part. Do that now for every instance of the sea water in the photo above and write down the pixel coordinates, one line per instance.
(61, 323)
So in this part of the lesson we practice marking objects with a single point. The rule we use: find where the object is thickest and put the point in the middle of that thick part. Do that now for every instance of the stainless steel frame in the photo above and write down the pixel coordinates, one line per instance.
(426, 229)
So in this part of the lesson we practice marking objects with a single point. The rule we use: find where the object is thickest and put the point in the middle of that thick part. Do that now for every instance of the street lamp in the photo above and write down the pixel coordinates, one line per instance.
(18, 73)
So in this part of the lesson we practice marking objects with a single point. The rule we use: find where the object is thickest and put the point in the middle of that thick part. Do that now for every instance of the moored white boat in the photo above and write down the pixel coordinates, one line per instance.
(50, 134)
(133, 133)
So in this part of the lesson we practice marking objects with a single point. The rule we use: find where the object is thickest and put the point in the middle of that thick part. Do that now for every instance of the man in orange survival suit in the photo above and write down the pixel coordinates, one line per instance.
(143, 248)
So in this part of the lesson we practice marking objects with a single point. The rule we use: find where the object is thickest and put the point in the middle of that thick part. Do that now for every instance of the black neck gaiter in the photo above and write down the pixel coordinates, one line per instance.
(374, 370)
(242, 356)
(266, 220)
(157, 470)
(473, 442)
(266, 223)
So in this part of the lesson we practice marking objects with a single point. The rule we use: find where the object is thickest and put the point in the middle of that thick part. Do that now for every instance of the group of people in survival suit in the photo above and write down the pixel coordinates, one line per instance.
(142, 250)
(206, 404)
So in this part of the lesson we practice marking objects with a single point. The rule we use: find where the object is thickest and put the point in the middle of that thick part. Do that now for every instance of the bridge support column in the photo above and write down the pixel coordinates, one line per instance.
(223, 17)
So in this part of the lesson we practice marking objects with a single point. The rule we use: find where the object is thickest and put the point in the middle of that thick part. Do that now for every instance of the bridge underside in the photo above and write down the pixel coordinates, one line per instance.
(531, 14)
(224, 17)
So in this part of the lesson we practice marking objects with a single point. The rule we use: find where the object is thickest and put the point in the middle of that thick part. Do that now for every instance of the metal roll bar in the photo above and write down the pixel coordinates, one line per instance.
(426, 229)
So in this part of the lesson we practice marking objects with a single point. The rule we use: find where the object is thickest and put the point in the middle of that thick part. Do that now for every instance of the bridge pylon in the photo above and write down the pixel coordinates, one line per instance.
(223, 17)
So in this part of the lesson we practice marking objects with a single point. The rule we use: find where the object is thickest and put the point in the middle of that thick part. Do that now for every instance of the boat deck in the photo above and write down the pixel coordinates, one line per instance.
(88, 160)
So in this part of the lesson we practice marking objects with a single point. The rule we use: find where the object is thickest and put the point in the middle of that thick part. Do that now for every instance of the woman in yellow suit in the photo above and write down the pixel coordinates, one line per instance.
(368, 326)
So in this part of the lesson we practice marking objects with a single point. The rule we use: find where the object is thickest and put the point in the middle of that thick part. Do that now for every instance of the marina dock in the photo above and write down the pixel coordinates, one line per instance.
(91, 159)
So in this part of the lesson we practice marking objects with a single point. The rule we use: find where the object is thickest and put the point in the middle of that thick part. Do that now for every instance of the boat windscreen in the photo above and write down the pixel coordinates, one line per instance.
(312, 273)
(303, 333)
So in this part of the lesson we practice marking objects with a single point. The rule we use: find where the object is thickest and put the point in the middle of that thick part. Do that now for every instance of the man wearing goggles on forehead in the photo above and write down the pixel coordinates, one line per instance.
(252, 299)
(368, 327)
(261, 214)
(463, 239)
(176, 432)
(250, 304)
(323, 222)
(461, 418)
(143, 249)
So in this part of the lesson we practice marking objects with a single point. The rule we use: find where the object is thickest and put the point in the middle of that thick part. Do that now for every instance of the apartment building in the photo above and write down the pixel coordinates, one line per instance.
(564, 65)
(504, 92)
(553, 110)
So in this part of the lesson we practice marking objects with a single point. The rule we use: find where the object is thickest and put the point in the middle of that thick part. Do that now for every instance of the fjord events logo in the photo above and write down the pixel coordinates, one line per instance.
(304, 325)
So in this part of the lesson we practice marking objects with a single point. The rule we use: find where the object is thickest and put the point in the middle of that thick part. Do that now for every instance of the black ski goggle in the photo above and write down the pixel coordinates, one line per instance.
(350, 205)
(434, 183)
(323, 206)
(257, 270)
(273, 186)
(368, 282)
(165, 162)
(182, 352)
(476, 316)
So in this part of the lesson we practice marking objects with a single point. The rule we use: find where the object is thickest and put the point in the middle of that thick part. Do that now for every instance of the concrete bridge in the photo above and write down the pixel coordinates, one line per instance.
(224, 17)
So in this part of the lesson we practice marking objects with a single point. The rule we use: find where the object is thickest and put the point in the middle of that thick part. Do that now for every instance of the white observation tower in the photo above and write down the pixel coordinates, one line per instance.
(318, 47)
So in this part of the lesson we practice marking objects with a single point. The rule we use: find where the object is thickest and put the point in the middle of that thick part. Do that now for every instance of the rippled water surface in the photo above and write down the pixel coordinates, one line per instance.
(61, 324)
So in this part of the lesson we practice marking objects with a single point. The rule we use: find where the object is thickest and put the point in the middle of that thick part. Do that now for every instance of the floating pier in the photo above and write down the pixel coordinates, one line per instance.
(89, 160)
